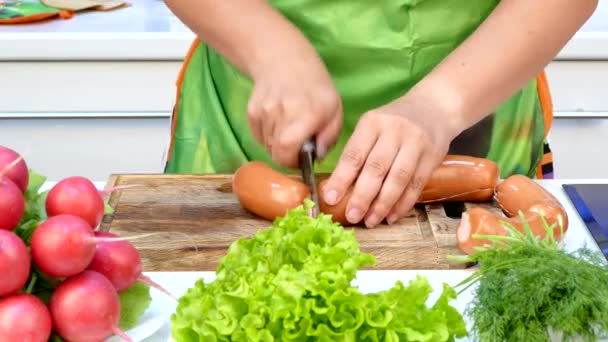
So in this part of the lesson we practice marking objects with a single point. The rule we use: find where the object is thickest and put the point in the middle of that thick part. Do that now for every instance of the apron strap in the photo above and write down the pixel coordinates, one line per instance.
(545, 168)
(178, 84)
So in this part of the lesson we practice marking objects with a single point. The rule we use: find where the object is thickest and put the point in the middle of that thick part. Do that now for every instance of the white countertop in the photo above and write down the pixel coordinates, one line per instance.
(149, 31)
(373, 281)
(146, 30)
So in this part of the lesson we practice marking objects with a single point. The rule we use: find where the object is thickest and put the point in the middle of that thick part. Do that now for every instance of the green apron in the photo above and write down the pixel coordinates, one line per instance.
(375, 51)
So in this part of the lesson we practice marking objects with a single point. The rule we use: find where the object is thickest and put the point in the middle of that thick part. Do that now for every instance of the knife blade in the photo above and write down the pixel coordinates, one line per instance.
(307, 160)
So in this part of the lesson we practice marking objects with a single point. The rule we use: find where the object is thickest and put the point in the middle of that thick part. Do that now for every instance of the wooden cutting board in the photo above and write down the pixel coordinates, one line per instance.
(198, 217)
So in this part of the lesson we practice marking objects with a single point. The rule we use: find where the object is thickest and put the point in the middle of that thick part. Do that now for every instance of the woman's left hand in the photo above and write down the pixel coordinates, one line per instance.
(391, 155)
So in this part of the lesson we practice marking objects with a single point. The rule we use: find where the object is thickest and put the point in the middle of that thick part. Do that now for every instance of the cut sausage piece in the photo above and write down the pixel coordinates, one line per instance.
(516, 193)
(266, 192)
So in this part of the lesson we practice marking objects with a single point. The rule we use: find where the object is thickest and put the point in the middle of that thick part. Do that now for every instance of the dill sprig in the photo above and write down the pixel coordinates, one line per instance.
(531, 289)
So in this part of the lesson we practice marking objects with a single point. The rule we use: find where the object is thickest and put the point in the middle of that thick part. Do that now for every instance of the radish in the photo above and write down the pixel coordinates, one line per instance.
(17, 172)
(12, 204)
(24, 317)
(76, 196)
(15, 263)
(86, 308)
(63, 246)
(120, 262)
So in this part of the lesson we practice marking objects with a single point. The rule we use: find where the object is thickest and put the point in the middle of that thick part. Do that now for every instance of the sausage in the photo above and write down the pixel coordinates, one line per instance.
(463, 179)
(483, 222)
(266, 192)
(337, 211)
(457, 178)
(514, 194)
(270, 194)
(519, 192)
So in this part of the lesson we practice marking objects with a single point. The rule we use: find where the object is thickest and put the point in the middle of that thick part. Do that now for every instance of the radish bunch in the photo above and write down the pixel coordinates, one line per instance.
(14, 179)
(88, 269)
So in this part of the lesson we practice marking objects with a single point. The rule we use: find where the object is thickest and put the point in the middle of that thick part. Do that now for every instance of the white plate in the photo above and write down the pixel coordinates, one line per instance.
(149, 323)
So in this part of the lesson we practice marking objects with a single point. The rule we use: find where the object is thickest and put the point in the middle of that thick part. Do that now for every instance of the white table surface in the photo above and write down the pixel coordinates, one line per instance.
(373, 281)
(148, 30)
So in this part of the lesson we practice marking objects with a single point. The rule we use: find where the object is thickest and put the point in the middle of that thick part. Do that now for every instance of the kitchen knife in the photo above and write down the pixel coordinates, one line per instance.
(307, 161)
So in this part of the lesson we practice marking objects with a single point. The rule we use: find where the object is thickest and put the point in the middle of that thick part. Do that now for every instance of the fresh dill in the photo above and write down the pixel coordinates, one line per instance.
(531, 289)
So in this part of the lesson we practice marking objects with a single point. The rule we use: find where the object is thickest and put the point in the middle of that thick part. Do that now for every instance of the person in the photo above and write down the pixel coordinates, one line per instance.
(386, 88)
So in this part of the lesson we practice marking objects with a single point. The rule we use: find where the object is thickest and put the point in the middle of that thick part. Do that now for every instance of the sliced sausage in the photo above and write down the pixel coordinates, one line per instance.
(515, 194)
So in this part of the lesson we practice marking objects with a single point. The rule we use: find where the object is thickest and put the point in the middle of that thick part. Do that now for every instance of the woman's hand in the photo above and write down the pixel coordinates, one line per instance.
(391, 155)
(292, 101)
(294, 97)
(396, 147)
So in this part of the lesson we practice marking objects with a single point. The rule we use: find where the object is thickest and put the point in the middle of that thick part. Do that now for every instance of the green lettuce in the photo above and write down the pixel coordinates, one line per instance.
(292, 282)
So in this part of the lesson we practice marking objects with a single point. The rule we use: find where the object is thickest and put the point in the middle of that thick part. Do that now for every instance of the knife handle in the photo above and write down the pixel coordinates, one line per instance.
(310, 146)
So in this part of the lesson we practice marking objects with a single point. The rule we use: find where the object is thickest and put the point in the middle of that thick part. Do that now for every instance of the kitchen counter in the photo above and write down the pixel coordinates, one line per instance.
(373, 281)
(149, 31)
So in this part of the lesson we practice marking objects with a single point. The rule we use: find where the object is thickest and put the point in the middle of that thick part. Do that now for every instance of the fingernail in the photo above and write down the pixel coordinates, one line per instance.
(392, 219)
(321, 151)
(354, 215)
(331, 197)
(371, 221)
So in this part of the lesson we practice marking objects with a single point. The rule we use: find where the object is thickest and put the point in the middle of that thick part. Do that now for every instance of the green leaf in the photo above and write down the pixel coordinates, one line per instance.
(292, 282)
(35, 211)
(134, 301)
(528, 285)
(55, 338)
(36, 181)
(107, 210)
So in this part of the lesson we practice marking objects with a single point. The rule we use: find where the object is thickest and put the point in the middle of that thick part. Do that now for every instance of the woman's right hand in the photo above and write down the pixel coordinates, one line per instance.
(293, 100)
(294, 97)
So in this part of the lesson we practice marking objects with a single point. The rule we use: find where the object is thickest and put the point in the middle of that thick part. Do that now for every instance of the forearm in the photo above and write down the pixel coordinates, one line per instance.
(509, 49)
(249, 33)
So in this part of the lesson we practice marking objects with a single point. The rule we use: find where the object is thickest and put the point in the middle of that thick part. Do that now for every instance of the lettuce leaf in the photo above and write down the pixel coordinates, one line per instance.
(292, 282)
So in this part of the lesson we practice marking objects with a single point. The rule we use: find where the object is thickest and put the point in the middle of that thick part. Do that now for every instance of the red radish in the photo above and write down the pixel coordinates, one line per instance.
(86, 308)
(120, 262)
(76, 196)
(15, 263)
(18, 173)
(24, 317)
(12, 204)
(63, 246)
